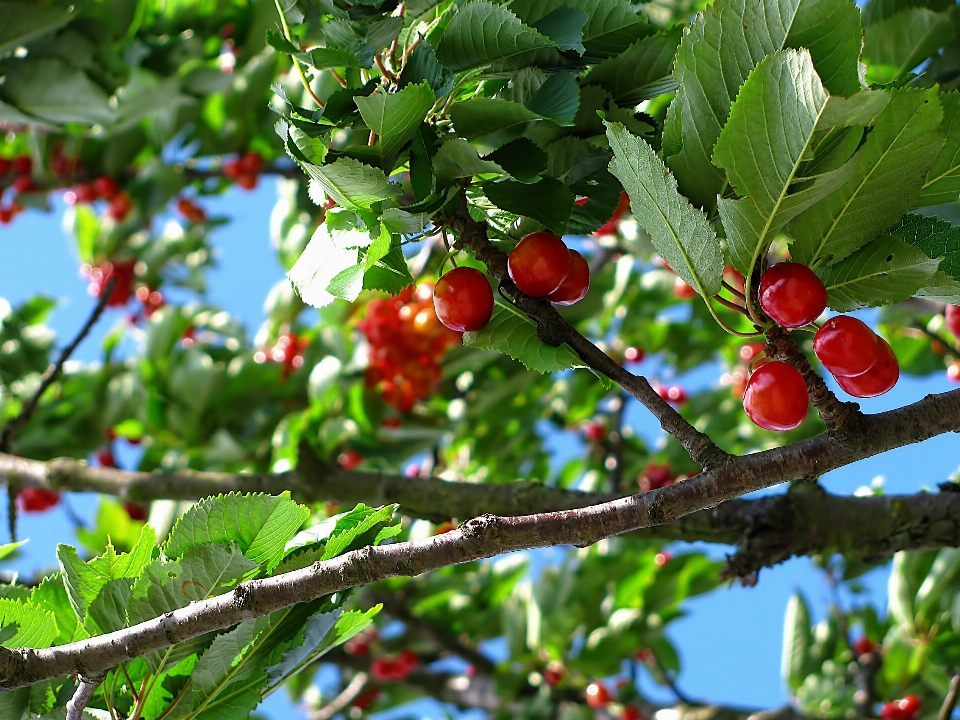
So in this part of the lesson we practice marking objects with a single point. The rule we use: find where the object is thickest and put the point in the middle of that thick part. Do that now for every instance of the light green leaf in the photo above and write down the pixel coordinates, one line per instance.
(896, 45)
(10, 549)
(351, 183)
(886, 183)
(769, 134)
(936, 238)
(680, 233)
(482, 33)
(886, 271)
(941, 288)
(224, 662)
(378, 248)
(484, 116)
(941, 579)
(942, 184)
(642, 71)
(333, 57)
(316, 631)
(35, 627)
(862, 108)
(797, 641)
(85, 580)
(259, 524)
(21, 22)
(321, 261)
(718, 52)
(404, 223)
(57, 91)
(514, 334)
(395, 117)
(547, 201)
(389, 274)
(51, 595)
(900, 602)
(457, 158)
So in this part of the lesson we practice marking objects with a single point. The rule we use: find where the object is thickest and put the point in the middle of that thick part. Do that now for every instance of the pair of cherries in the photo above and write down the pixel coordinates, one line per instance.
(540, 265)
(862, 362)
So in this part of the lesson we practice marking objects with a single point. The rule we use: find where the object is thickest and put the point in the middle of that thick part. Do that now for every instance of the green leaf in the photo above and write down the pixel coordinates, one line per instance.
(422, 150)
(319, 626)
(333, 57)
(402, 222)
(942, 184)
(378, 248)
(514, 334)
(886, 271)
(769, 134)
(85, 580)
(389, 274)
(56, 91)
(259, 524)
(485, 116)
(547, 201)
(9, 550)
(422, 66)
(718, 52)
(395, 118)
(900, 602)
(353, 525)
(797, 641)
(351, 183)
(457, 158)
(896, 45)
(861, 109)
(642, 71)
(482, 33)
(565, 27)
(680, 233)
(35, 627)
(22, 22)
(940, 581)
(522, 158)
(51, 595)
(557, 99)
(222, 664)
(886, 183)
(936, 238)
(363, 39)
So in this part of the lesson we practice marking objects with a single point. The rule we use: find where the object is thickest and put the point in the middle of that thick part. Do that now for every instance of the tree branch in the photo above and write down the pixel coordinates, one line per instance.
(484, 537)
(950, 701)
(553, 329)
(82, 697)
(343, 700)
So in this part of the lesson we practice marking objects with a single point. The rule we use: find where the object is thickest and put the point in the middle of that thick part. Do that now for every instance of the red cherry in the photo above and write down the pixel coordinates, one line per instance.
(366, 698)
(6, 215)
(878, 379)
(120, 207)
(633, 355)
(662, 558)
(631, 712)
(23, 165)
(863, 646)
(84, 193)
(24, 184)
(349, 459)
(408, 659)
(463, 299)
(952, 315)
(738, 382)
(656, 475)
(5, 166)
(575, 285)
(846, 346)
(383, 670)
(910, 706)
(792, 294)
(683, 290)
(37, 500)
(610, 226)
(594, 431)
(106, 187)
(953, 371)
(749, 351)
(251, 163)
(597, 695)
(539, 264)
(191, 211)
(357, 646)
(247, 181)
(105, 458)
(890, 711)
(776, 397)
(733, 277)
(554, 674)
(135, 511)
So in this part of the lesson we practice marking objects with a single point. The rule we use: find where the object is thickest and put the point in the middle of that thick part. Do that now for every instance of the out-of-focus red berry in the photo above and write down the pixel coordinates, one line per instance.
(662, 558)
(105, 458)
(135, 511)
(863, 646)
(631, 712)
(655, 476)
(597, 695)
(23, 165)
(349, 460)
(37, 500)
(633, 355)
(106, 187)
(595, 431)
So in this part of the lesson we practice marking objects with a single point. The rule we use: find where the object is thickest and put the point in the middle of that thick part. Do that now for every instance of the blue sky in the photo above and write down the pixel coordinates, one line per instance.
(730, 642)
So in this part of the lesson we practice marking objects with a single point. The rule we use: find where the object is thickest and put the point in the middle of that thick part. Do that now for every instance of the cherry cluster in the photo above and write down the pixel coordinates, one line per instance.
(863, 363)
(105, 188)
(408, 342)
(394, 668)
(906, 708)
(287, 350)
(540, 265)
(598, 697)
(244, 169)
(15, 172)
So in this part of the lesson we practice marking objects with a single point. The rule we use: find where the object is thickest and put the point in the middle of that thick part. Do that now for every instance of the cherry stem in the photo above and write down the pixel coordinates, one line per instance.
(731, 305)
(372, 139)
(732, 290)
(726, 327)
(383, 69)
(338, 77)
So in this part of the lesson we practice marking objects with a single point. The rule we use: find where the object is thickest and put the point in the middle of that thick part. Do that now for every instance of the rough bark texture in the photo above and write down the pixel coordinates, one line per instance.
(484, 537)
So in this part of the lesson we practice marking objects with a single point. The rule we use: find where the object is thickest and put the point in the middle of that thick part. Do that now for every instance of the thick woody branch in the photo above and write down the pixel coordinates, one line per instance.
(483, 537)
(554, 329)
(81, 698)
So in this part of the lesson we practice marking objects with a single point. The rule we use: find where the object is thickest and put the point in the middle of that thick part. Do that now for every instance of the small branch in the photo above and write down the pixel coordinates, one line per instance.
(383, 70)
(53, 372)
(731, 305)
(342, 701)
(553, 329)
(865, 696)
(615, 456)
(843, 419)
(82, 697)
(950, 701)
(338, 77)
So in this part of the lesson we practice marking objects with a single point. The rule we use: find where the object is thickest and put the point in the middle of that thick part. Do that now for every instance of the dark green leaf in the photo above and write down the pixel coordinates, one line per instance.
(522, 158)
(457, 158)
(56, 91)
(548, 201)
(423, 66)
(21, 22)
(642, 71)
(558, 99)
(565, 27)
(936, 238)
(896, 45)
(480, 117)
(942, 184)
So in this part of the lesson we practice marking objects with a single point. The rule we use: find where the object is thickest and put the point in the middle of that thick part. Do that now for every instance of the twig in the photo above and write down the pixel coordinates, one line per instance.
(53, 372)
(950, 701)
(383, 69)
(338, 77)
(731, 305)
(865, 697)
(296, 60)
(343, 700)
(82, 697)
(615, 457)
(732, 290)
